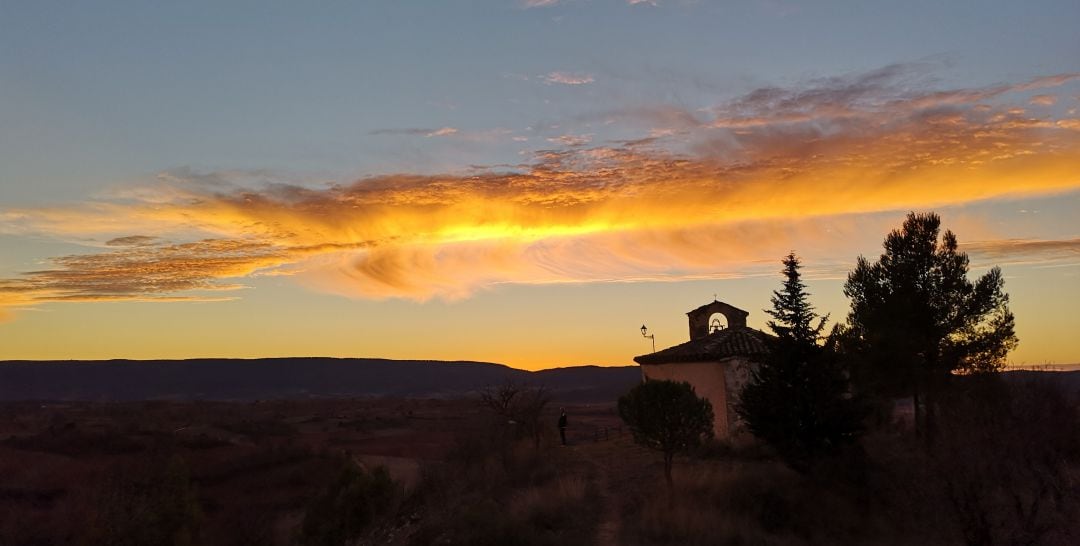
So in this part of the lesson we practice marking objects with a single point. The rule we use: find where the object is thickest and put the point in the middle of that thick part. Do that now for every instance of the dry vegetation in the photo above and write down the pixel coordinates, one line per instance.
(69, 471)
(1003, 470)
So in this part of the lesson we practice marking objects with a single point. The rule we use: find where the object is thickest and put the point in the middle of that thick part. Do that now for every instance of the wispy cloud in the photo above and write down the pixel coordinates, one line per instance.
(568, 78)
(442, 131)
(775, 169)
(571, 140)
(1027, 251)
(527, 4)
(662, 116)
(132, 240)
(143, 272)
(884, 93)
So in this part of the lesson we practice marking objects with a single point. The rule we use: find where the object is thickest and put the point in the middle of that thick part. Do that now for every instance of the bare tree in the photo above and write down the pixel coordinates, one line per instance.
(519, 406)
(500, 399)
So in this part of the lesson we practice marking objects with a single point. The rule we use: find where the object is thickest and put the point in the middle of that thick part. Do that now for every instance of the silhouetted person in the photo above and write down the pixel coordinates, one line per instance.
(562, 425)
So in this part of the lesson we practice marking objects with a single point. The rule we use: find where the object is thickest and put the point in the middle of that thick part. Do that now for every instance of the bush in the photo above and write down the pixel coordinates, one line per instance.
(155, 504)
(349, 505)
(1006, 460)
(521, 497)
(667, 416)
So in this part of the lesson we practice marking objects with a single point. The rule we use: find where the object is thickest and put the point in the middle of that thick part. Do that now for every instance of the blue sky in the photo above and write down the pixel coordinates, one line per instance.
(103, 104)
(102, 92)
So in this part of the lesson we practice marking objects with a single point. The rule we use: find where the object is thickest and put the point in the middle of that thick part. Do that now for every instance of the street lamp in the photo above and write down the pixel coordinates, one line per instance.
(645, 333)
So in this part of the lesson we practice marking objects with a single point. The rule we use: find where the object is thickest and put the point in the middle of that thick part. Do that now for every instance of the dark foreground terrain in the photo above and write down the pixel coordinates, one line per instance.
(1003, 469)
(238, 473)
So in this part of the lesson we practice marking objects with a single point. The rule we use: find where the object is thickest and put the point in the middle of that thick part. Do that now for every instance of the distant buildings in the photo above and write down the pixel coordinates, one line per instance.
(716, 361)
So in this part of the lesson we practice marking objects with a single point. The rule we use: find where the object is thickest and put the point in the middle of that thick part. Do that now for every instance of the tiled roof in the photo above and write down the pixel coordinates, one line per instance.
(736, 341)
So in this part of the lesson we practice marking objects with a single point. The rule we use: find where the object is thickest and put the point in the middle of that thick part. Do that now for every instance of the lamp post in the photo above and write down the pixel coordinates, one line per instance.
(645, 333)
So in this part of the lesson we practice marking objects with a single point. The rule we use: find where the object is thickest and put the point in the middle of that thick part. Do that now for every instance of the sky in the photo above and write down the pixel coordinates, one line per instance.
(523, 182)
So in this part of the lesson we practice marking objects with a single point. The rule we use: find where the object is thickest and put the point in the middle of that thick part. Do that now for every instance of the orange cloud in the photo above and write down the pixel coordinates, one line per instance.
(142, 272)
(770, 169)
(1044, 100)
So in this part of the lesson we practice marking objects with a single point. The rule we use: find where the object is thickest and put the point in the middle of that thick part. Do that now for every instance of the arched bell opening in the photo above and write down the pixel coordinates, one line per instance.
(717, 322)
(715, 316)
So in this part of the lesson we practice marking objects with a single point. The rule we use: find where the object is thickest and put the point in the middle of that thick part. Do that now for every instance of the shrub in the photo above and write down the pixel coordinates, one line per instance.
(667, 416)
(1006, 460)
(155, 504)
(349, 505)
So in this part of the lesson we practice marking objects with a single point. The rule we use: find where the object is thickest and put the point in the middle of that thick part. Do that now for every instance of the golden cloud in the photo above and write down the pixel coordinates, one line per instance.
(750, 182)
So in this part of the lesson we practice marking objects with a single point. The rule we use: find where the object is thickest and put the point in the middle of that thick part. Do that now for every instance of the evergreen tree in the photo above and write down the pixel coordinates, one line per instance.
(798, 399)
(916, 319)
(793, 314)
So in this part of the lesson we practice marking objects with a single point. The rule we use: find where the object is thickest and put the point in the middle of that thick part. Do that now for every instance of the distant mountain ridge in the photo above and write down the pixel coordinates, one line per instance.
(282, 378)
(276, 378)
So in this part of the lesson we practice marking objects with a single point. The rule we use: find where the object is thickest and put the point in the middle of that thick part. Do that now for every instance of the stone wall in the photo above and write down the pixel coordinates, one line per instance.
(736, 375)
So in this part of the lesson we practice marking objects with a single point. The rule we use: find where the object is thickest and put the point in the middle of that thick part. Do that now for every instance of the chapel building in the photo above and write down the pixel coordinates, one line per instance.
(717, 361)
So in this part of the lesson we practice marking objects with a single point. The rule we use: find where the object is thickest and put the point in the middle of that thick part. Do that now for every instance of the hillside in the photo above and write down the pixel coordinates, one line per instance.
(233, 379)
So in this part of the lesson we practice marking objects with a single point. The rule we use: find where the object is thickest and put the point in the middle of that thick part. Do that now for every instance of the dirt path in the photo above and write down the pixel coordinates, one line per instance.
(617, 465)
(607, 531)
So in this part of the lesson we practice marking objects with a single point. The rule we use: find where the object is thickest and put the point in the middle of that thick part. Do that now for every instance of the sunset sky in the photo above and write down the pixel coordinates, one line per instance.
(523, 182)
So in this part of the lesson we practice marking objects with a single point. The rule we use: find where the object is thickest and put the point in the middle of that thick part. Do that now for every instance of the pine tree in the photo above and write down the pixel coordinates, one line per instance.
(916, 319)
(798, 399)
(793, 314)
